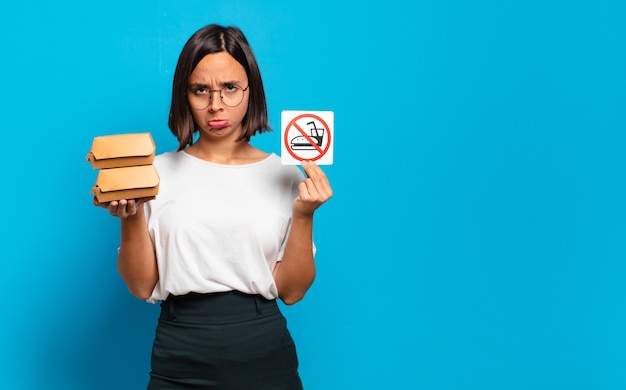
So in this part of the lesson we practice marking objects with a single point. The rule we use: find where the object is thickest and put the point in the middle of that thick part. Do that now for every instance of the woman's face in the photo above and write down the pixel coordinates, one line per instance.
(214, 73)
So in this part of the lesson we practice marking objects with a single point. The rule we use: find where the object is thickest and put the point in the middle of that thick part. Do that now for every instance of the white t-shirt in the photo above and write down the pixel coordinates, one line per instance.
(220, 227)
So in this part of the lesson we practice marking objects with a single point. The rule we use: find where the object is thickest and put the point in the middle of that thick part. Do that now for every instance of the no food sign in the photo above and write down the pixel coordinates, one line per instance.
(307, 136)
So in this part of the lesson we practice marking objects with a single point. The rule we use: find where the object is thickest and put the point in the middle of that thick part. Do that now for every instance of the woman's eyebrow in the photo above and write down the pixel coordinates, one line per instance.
(223, 84)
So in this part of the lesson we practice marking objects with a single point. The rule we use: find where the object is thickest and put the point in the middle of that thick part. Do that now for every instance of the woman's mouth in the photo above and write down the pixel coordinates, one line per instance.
(218, 124)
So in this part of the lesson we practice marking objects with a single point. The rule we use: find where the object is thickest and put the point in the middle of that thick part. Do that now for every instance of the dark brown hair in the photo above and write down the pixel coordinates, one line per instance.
(210, 39)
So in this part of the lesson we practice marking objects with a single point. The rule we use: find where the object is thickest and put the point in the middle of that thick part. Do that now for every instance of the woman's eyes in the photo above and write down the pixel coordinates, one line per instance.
(205, 90)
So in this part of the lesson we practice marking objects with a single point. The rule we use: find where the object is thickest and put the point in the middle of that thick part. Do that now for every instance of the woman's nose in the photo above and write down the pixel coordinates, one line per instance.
(215, 102)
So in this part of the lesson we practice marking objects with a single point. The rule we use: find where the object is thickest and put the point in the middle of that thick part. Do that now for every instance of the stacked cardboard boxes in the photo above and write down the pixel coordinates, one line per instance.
(125, 167)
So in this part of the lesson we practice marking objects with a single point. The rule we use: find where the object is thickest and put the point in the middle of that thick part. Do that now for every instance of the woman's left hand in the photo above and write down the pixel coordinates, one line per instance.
(314, 190)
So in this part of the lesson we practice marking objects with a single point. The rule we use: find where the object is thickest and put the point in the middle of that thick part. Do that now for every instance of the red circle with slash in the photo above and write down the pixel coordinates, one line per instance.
(313, 143)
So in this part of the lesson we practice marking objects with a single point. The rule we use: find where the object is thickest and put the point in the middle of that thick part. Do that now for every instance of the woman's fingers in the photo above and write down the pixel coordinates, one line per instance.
(317, 183)
(122, 208)
(314, 190)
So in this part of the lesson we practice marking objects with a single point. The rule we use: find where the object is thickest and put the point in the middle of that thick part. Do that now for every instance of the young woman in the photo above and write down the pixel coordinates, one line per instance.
(229, 233)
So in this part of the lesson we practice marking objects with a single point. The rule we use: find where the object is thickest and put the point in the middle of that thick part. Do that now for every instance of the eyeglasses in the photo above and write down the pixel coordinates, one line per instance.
(200, 96)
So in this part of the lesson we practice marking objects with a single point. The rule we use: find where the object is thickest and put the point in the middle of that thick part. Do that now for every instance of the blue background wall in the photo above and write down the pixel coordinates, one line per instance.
(476, 238)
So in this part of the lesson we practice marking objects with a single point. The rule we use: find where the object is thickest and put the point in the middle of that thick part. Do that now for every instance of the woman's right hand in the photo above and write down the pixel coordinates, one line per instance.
(123, 208)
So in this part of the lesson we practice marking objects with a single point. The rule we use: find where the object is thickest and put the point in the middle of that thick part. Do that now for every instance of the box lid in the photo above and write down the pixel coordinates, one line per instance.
(115, 179)
(121, 145)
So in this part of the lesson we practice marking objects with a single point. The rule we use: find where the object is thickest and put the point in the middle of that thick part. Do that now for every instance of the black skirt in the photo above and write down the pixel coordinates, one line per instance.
(225, 341)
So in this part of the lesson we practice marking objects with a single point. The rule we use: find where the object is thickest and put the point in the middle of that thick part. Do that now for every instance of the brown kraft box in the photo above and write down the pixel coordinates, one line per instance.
(122, 150)
(126, 183)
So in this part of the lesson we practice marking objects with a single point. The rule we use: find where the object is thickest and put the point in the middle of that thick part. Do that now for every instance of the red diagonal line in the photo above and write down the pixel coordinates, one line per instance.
(314, 143)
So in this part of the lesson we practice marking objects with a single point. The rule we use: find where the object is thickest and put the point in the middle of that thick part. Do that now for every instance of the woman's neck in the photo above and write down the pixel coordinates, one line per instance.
(227, 153)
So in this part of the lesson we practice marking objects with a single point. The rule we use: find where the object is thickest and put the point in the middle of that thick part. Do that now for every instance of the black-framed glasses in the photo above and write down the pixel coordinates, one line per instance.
(200, 96)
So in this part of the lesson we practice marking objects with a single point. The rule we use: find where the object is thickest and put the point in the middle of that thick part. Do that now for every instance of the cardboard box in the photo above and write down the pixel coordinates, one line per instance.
(122, 150)
(126, 183)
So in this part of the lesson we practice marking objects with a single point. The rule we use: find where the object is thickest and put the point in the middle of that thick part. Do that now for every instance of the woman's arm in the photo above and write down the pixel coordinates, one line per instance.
(136, 259)
(296, 272)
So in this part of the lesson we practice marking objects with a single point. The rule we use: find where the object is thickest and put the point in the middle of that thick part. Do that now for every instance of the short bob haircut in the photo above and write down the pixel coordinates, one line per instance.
(210, 39)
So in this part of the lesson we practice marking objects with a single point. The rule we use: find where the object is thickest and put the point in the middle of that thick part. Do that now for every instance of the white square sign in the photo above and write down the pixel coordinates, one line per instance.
(307, 136)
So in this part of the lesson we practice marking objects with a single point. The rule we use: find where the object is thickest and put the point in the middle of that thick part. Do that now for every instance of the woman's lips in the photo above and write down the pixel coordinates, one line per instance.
(218, 124)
